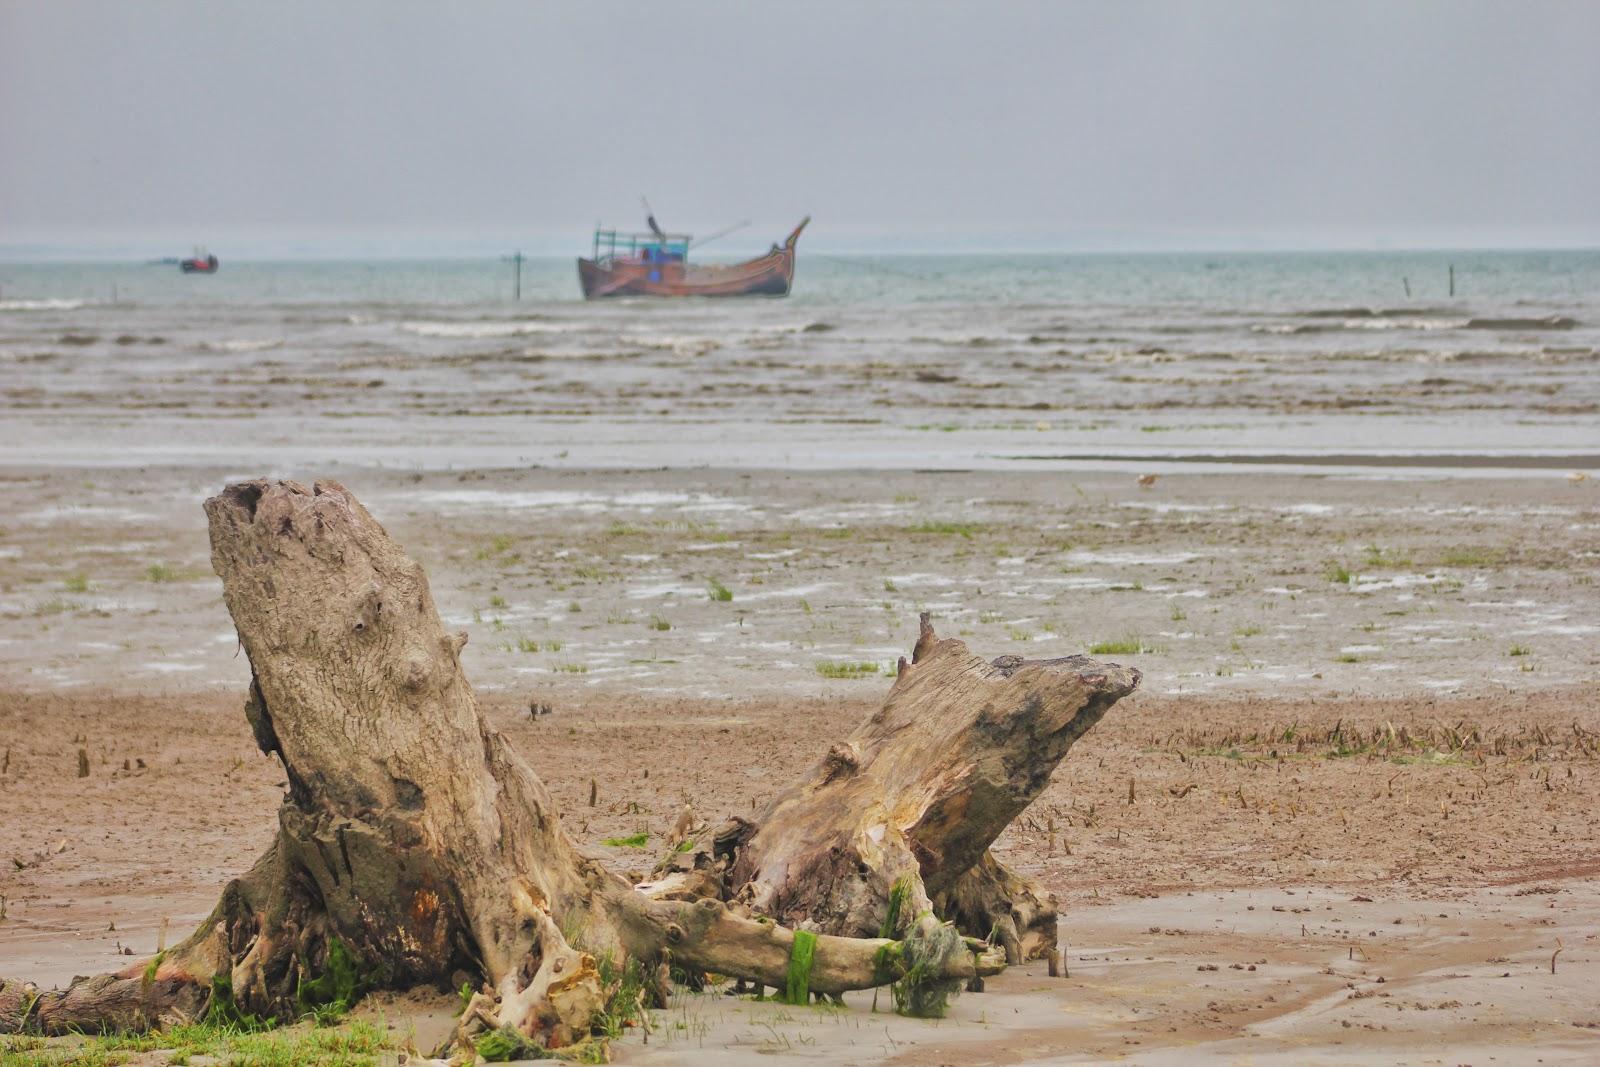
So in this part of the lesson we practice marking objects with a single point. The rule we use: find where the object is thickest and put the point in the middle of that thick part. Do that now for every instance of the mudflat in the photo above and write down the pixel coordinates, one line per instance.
(1348, 818)
(1336, 880)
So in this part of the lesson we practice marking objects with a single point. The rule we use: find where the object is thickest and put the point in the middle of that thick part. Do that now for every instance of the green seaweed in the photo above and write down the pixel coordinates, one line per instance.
(801, 956)
(507, 1043)
(638, 840)
(924, 992)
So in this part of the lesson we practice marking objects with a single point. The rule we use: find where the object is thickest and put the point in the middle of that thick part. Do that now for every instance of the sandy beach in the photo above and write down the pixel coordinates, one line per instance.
(1347, 817)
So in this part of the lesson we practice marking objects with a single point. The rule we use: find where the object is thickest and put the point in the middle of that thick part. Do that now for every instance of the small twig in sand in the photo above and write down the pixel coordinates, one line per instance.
(1553, 955)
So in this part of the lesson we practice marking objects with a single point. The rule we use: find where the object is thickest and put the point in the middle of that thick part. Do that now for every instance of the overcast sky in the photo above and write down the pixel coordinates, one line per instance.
(427, 127)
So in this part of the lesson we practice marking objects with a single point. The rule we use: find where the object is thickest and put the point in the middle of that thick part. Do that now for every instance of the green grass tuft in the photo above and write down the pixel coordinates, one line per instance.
(638, 840)
(1122, 646)
(224, 1011)
(328, 996)
(958, 529)
(864, 669)
(625, 997)
(360, 1044)
(161, 572)
(1463, 556)
(897, 899)
(718, 592)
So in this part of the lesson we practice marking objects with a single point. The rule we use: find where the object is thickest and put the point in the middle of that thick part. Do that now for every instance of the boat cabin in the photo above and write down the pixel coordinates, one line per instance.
(611, 246)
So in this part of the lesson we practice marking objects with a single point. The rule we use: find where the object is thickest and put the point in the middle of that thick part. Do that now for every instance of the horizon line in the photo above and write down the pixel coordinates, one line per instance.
(33, 255)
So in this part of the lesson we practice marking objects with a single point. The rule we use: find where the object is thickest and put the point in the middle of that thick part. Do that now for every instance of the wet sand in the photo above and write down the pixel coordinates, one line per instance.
(1347, 854)
(1354, 688)
(1309, 585)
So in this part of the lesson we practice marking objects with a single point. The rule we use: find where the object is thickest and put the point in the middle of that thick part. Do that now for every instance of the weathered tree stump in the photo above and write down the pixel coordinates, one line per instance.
(917, 794)
(414, 843)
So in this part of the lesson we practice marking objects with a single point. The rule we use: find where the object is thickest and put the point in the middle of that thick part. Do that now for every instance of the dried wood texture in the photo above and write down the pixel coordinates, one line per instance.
(917, 794)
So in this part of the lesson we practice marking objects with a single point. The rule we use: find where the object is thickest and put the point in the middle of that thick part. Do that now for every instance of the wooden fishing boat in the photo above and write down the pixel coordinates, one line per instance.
(657, 264)
(202, 262)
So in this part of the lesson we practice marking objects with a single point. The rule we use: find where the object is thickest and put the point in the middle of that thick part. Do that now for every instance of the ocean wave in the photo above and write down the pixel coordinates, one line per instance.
(796, 327)
(1334, 313)
(1288, 328)
(1547, 322)
(962, 340)
(486, 329)
(1371, 313)
(40, 305)
(1371, 321)
(686, 345)
(1383, 323)
(242, 344)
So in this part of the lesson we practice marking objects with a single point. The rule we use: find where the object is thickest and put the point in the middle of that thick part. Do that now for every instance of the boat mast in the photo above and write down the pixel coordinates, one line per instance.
(720, 233)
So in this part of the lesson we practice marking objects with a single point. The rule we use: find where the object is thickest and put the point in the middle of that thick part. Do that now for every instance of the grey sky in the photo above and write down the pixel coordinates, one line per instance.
(1073, 126)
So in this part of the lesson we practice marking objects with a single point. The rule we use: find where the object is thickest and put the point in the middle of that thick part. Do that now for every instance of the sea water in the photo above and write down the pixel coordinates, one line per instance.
(1029, 361)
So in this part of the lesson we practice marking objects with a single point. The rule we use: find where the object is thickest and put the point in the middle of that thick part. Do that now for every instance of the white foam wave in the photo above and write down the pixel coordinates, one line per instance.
(40, 305)
(242, 344)
(485, 329)
(689, 345)
(1405, 324)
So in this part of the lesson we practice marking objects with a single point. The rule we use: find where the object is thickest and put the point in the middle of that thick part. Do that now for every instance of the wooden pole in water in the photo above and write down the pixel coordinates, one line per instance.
(1452, 279)
(517, 259)
(1407, 283)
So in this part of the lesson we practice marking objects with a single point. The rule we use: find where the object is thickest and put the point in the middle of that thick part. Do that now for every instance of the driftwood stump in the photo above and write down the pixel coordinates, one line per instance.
(414, 844)
(915, 797)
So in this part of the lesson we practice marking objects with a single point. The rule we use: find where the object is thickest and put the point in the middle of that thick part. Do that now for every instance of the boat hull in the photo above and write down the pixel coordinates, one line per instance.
(768, 275)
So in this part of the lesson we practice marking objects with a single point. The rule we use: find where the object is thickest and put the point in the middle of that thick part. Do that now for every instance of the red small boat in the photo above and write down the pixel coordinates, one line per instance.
(657, 264)
(202, 262)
